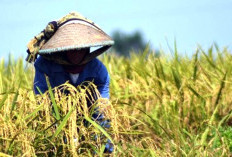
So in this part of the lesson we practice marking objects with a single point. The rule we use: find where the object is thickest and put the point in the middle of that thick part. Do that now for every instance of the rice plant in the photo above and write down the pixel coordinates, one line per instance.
(159, 106)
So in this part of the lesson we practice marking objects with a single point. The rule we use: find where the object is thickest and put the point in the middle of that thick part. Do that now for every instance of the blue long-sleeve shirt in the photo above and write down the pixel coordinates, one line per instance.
(93, 71)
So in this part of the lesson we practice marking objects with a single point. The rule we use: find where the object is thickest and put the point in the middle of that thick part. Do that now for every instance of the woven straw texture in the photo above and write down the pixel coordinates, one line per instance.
(76, 35)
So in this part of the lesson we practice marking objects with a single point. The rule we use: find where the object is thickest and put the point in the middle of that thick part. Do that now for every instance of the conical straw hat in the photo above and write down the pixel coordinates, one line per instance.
(71, 32)
(76, 34)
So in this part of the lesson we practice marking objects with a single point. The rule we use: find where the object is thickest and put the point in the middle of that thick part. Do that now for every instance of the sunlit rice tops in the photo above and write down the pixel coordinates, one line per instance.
(160, 106)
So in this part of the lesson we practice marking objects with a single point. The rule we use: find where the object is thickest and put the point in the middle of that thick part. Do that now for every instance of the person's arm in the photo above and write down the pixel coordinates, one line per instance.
(104, 88)
(41, 68)
(40, 82)
(100, 117)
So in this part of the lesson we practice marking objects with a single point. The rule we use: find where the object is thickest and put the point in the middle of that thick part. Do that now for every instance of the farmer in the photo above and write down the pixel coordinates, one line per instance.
(64, 49)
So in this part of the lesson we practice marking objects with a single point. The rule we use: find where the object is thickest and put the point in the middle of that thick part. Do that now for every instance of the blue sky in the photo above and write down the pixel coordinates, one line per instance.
(189, 22)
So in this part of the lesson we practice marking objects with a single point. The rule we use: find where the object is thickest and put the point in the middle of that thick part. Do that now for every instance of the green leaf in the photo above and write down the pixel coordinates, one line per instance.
(14, 101)
(3, 100)
(98, 127)
(63, 123)
(57, 114)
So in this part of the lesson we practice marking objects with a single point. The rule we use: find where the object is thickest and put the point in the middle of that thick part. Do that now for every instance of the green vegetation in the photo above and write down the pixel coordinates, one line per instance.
(159, 106)
(125, 43)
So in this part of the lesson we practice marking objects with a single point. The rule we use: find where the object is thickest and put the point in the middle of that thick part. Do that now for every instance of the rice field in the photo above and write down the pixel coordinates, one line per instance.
(171, 105)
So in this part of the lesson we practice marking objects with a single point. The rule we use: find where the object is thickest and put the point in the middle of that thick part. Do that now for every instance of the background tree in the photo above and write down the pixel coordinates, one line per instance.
(124, 43)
